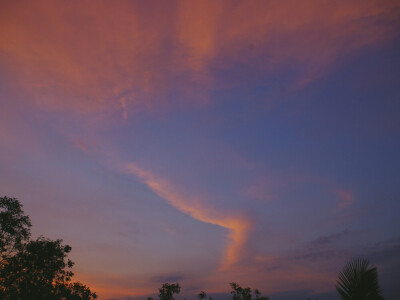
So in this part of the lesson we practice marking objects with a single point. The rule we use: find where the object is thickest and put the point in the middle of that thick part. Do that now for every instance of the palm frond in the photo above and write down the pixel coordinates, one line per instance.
(359, 281)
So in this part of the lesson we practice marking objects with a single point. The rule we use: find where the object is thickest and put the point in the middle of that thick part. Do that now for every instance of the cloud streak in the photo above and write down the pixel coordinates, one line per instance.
(93, 56)
(238, 225)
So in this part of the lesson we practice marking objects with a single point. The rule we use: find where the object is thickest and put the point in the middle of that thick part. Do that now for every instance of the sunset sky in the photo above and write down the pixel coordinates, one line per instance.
(205, 142)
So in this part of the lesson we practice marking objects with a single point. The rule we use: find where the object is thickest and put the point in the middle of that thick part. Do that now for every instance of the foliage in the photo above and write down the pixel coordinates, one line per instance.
(202, 295)
(14, 227)
(258, 295)
(34, 269)
(168, 290)
(359, 281)
(239, 293)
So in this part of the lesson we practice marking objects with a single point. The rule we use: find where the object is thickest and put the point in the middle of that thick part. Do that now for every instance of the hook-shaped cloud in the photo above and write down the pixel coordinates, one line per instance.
(239, 226)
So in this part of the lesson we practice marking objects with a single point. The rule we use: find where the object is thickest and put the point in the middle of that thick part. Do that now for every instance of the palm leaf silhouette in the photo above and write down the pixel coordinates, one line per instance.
(359, 281)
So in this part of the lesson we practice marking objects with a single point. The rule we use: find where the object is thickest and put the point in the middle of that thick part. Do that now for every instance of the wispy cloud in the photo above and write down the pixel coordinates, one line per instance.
(325, 240)
(346, 198)
(238, 225)
(83, 56)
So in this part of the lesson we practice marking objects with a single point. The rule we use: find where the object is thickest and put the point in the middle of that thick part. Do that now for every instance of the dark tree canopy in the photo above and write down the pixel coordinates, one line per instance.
(167, 291)
(14, 226)
(359, 281)
(202, 295)
(239, 293)
(33, 269)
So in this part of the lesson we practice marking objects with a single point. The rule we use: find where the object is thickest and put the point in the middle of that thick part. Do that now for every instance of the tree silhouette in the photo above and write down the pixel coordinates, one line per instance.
(259, 296)
(14, 227)
(167, 291)
(202, 295)
(33, 269)
(359, 281)
(239, 293)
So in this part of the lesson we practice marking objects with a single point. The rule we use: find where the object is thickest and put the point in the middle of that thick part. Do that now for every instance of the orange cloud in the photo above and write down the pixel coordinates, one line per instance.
(128, 56)
(237, 225)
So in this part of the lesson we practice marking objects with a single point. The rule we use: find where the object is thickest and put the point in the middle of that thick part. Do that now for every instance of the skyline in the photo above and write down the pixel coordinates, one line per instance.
(206, 142)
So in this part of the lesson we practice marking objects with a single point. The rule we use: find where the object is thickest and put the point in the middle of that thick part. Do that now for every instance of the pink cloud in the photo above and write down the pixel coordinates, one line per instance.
(346, 199)
(91, 57)
(238, 225)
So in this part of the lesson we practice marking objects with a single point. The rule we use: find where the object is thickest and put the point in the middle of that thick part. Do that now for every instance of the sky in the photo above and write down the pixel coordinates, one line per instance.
(206, 142)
